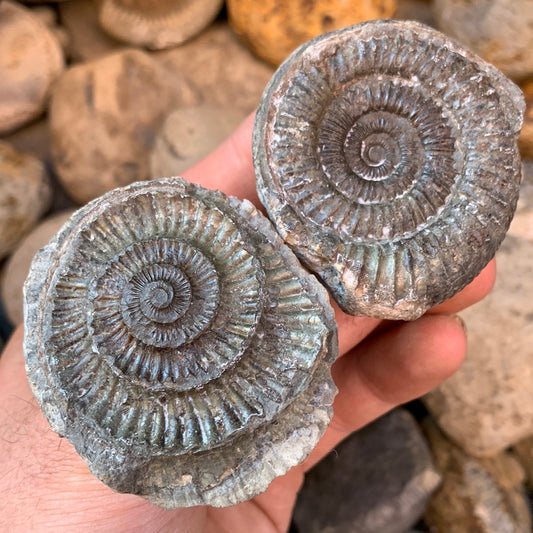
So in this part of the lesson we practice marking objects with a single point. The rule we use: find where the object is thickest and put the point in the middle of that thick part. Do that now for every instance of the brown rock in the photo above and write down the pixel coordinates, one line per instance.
(378, 480)
(30, 60)
(524, 453)
(477, 495)
(104, 116)
(45, 14)
(34, 138)
(24, 195)
(86, 38)
(189, 134)
(500, 31)
(525, 141)
(488, 404)
(419, 10)
(274, 28)
(18, 265)
(222, 72)
(157, 24)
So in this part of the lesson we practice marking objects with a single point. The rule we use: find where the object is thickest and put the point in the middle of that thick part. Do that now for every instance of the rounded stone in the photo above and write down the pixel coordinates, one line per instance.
(476, 495)
(214, 79)
(500, 31)
(25, 195)
(274, 28)
(86, 39)
(18, 265)
(189, 134)
(30, 61)
(104, 115)
(157, 24)
(379, 479)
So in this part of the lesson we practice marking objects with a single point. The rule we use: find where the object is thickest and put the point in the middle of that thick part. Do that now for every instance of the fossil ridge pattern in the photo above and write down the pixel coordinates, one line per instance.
(157, 24)
(179, 345)
(386, 156)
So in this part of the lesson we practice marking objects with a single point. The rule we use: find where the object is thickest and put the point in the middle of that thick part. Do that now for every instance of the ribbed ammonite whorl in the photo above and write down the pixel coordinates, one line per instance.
(386, 156)
(179, 345)
(156, 24)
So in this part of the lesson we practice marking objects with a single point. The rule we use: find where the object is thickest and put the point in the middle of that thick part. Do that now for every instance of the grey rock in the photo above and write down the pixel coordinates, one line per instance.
(24, 195)
(377, 480)
(367, 175)
(477, 495)
(189, 134)
(30, 61)
(104, 116)
(179, 345)
(500, 31)
(17, 266)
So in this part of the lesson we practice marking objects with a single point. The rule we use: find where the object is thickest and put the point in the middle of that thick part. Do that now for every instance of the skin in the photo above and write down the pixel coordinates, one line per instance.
(46, 486)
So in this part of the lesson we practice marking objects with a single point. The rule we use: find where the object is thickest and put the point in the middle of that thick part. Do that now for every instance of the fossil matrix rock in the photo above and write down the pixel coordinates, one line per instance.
(179, 345)
(386, 156)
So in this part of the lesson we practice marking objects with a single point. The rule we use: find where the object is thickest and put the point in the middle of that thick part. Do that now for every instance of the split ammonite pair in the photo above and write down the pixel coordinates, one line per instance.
(175, 339)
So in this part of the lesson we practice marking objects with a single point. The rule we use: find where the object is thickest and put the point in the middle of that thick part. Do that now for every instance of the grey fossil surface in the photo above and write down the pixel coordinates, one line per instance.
(179, 345)
(386, 156)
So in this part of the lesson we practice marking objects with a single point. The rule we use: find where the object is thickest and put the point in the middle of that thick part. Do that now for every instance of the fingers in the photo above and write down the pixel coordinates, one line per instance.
(229, 168)
(472, 293)
(397, 366)
(352, 330)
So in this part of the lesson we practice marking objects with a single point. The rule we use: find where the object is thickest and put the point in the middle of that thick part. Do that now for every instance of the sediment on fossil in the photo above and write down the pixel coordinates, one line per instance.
(386, 157)
(179, 345)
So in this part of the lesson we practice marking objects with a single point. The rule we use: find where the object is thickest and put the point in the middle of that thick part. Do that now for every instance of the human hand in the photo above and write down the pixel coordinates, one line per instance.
(46, 486)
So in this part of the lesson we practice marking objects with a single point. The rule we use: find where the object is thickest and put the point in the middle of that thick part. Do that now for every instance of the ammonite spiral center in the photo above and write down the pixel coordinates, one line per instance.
(163, 293)
(379, 151)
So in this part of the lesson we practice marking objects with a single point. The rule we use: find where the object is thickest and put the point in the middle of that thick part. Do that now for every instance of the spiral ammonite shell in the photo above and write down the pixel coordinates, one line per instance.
(178, 344)
(157, 24)
(386, 157)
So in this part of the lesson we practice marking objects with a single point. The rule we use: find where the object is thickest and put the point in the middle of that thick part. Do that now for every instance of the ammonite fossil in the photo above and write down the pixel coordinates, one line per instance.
(386, 156)
(157, 24)
(179, 345)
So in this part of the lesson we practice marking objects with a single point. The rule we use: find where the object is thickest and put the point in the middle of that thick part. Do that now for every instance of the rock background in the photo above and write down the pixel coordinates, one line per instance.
(82, 112)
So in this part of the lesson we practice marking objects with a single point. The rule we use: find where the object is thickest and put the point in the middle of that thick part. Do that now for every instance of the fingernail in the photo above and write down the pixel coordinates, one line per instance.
(461, 322)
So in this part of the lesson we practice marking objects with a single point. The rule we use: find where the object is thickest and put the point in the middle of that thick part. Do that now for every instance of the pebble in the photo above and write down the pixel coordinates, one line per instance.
(18, 265)
(500, 31)
(274, 28)
(157, 25)
(24, 195)
(378, 480)
(219, 69)
(488, 404)
(86, 39)
(477, 495)
(31, 59)
(189, 134)
(104, 116)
